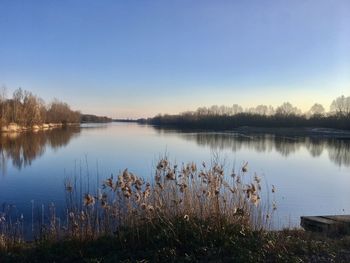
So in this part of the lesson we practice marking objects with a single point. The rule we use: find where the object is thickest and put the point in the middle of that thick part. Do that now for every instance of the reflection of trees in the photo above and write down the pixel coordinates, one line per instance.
(338, 149)
(286, 146)
(315, 146)
(261, 143)
(339, 152)
(230, 141)
(23, 148)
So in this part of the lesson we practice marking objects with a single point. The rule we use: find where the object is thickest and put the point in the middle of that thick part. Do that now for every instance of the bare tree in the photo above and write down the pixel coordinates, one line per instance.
(261, 110)
(341, 106)
(26, 109)
(17, 100)
(202, 111)
(287, 109)
(270, 110)
(224, 110)
(236, 109)
(31, 109)
(214, 110)
(3, 105)
(316, 110)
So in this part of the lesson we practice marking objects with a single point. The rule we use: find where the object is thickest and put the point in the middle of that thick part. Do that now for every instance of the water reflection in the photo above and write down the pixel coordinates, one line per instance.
(23, 148)
(340, 152)
(338, 149)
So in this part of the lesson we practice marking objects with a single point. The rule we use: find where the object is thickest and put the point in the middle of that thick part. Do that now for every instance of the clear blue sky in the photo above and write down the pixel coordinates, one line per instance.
(139, 58)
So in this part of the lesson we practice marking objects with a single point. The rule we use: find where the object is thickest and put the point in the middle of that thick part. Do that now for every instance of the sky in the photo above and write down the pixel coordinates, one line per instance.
(132, 59)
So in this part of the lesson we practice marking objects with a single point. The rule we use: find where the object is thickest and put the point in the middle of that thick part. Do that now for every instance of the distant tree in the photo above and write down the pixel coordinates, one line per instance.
(341, 106)
(250, 110)
(31, 109)
(26, 109)
(221, 117)
(316, 110)
(262, 110)
(3, 106)
(270, 110)
(202, 111)
(17, 109)
(214, 110)
(287, 109)
(224, 110)
(236, 109)
(60, 112)
(43, 110)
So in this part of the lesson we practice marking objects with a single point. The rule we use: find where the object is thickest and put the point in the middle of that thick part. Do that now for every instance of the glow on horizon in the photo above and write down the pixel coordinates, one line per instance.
(303, 99)
(138, 59)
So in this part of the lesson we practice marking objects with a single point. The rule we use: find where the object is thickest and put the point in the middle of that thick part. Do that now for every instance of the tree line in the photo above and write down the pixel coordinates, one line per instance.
(86, 118)
(285, 115)
(27, 109)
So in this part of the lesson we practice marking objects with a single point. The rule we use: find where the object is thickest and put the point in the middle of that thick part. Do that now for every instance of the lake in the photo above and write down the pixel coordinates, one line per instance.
(312, 175)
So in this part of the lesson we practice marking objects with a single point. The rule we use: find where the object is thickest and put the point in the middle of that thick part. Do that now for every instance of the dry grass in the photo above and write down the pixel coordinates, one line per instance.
(188, 193)
(11, 231)
(181, 211)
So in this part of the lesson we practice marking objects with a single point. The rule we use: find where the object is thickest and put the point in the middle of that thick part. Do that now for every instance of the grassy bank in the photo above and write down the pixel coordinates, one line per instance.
(197, 242)
(185, 214)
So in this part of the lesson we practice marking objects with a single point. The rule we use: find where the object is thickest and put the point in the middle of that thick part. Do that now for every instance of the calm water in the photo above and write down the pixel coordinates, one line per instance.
(312, 175)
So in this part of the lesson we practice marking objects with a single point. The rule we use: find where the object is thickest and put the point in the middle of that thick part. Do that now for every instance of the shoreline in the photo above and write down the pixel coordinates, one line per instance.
(15, 128)
(314, 132)
(305, 131)
(230, 246)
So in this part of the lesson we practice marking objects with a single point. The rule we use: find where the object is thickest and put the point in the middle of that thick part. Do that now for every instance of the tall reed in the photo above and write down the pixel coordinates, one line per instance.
(179, 200)
(188, 193)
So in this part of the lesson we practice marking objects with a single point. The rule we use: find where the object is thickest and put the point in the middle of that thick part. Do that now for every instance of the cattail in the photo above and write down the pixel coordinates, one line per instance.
(75, 226)
(193, 167)
(132, 177)
(160, 185)
(274, 205)
(162, 164)
(157, 178)
(143, 206)
(255, 199)
(69, 188)
(89, 200)
(137, 197)
(127, 194)
(245, 167)
(238, 180)
(104, 204)
(150, 208)
(138, 184)
(104, 196)
(147, 192)
(109, 183)
(257, 179)
(82, 216)
(170, 175)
